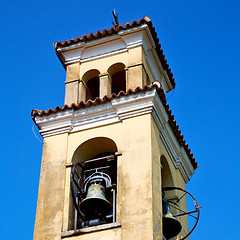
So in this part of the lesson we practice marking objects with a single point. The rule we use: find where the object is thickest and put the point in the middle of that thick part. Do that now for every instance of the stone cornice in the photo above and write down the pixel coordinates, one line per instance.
(115, 111)
(176, 152)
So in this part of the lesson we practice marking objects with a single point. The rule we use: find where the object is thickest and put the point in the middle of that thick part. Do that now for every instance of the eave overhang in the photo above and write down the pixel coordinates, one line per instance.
(116, 108)
(118, 32)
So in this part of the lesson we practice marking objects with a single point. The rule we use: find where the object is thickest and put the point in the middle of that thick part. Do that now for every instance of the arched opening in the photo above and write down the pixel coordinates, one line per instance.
(94, 169)
(167, 179)
(173, 204)
(118, 76)
(91, 81)
(92, 148)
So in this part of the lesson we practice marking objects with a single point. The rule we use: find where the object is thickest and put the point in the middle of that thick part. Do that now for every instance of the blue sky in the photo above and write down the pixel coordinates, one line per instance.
(201, 42)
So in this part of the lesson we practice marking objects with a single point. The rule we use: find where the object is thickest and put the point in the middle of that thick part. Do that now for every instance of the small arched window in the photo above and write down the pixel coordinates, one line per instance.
(118, 77)
(91, 81)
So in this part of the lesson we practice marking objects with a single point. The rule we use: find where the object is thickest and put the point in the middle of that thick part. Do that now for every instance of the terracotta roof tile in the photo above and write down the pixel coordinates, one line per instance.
(97, 101)
(115, 30)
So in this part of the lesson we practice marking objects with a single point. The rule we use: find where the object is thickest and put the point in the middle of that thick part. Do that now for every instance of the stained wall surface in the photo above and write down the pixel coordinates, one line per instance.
(139, 169)
(134, 193)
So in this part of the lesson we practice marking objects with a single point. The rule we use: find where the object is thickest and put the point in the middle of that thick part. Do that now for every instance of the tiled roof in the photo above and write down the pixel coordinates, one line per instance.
(97, 101)
(115, 30)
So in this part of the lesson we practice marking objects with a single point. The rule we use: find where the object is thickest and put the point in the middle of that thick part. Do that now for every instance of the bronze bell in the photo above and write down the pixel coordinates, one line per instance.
(95, 204)
(171, 226)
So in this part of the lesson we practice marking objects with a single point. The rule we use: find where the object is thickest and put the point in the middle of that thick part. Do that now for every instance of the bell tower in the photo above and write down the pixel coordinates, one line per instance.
(113, 156)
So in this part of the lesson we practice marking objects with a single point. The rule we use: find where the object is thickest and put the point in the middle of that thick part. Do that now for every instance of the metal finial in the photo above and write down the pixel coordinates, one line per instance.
(115, 16)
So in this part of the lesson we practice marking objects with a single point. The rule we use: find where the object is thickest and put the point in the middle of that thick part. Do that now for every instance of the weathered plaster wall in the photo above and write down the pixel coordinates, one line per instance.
(139, 180)
(139, 170)
(158, 150)
(48, 223)
(135, 180)
(134, 193)
(156, 183)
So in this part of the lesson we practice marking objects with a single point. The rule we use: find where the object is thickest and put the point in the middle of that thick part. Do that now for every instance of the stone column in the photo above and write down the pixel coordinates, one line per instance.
(105, 85)
(82, 91)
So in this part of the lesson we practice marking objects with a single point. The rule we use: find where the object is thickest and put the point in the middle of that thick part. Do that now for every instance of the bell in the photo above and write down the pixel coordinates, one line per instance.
(171, 226)
(95, 204)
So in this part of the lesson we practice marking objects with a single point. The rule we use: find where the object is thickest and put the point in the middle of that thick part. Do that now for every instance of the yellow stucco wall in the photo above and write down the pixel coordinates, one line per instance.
(139, 192)
(139, 168)
(139, 181)
(48, 222)
(134, 173)
(134, 193)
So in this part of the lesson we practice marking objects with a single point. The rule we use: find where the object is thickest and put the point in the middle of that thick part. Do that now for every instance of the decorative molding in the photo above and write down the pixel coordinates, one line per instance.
(116, 52)
(103, 74)
(135, 65)
(116, 111)
(95, 116)
(176, 152)
(55, 123)
(72, 80)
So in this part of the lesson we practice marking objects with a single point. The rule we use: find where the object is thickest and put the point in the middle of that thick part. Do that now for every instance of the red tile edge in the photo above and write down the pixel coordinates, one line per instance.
(114, 30)
(97, 101)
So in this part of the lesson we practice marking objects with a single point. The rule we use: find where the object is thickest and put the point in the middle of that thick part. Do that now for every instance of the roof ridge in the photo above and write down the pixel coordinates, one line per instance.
(100, 31)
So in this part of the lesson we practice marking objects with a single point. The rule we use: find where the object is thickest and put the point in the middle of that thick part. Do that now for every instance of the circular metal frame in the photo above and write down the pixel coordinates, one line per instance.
(182, 213)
